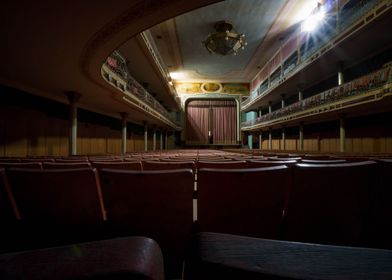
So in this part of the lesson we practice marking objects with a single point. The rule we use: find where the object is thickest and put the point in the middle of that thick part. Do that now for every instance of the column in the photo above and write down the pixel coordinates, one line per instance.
(166, 144)
(269, 107)
(250, 140)
(283, 100)
(340, 74)
(283, 138)
(342, 134)
(154, 139)
(301, 136)
(145, 137)
(260, 140)
(124, 133)
(300, 95)
(270, 139)
(259, 112)
(73, 98)
(161, 140)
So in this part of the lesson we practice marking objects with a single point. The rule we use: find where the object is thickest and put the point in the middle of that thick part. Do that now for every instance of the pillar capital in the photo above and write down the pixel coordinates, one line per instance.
(73, 96)
(123, 115)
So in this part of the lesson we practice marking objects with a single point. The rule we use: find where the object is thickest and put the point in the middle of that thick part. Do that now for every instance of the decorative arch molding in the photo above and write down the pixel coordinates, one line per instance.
(138, 17)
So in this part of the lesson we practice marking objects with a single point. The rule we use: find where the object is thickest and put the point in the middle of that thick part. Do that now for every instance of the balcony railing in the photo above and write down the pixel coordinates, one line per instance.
(117, 65)
(372, 81)
(346, 19)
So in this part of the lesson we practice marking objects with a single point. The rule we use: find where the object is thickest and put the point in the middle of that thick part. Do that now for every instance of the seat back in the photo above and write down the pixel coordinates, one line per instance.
(29, 165)
(329, 202)
(222, 164)
(58, 206)
(160, 165)
(243, 201)
(66, 165)
(8, 210)
(118, 165)
(379, 224)
(267, 163)
(156, 204)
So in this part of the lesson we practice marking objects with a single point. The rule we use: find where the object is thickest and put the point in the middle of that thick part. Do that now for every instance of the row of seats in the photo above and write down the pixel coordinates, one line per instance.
(339, 203)
(168, 164)
(43, 208)
(344, 204)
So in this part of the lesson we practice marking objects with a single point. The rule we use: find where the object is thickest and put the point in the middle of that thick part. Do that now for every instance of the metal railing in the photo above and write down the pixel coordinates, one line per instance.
(118, 65)
(356, 87)
(346, 19)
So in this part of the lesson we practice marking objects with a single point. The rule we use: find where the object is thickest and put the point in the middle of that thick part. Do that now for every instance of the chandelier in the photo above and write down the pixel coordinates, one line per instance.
(225, 40)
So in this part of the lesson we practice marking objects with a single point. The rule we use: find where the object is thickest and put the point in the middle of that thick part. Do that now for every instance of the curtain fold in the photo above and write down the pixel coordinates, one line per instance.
(222, 121)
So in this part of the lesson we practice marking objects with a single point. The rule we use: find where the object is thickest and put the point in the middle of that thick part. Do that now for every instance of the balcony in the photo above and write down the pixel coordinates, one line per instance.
(115, 72)
(321, 54)
(367, 89)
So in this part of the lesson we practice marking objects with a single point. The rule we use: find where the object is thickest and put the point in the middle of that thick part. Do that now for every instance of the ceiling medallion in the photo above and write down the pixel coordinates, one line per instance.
(225, 40)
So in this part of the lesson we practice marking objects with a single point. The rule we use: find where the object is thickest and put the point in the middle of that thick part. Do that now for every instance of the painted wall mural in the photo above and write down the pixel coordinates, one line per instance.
(212, 87)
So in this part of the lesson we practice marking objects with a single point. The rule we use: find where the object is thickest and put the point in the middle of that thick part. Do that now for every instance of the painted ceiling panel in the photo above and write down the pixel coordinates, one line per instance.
(251, 17)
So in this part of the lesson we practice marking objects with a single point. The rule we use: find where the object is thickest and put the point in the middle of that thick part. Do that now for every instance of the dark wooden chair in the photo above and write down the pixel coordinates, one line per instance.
(156, 204)
(57, 206)
(66, 165)
(224, 256)
(243, 201)
(29, 165)
(328, 203)
(120, 258)
(117, 165)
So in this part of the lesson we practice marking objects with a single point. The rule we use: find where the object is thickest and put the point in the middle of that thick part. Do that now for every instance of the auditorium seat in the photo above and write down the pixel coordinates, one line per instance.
(37, 159)
(125, 258)
(159, 165)
(71, 160)
(156, 204)
(66, 165)
(243, 201)
(232, 164)
(57, 206)
(225, 256)
(126, 165)
(9, 214)
(29, 165)
(379, 225)
(278, 158)
(267, 163)
(9, 159)
(329, 202)
(323, 161)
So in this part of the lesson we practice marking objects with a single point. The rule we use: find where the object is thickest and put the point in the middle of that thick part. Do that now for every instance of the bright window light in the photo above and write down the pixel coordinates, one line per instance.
(306, 10)
(177, 75)
(313, 21)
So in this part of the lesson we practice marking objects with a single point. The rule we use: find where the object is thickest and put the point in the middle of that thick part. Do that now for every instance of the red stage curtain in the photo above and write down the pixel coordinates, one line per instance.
(221, 121)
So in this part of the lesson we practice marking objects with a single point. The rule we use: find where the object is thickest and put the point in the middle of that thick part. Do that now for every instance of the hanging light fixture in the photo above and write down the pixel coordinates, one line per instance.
(225, 40)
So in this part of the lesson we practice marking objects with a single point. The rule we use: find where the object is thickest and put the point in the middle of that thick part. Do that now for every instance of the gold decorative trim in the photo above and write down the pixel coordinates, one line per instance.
(211, 87)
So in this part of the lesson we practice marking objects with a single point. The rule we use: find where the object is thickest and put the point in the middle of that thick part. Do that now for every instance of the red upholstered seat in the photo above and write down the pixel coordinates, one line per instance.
(329, 202)
(58, 206)
(379, 224)
(118, 165)
(323, 161)
(156, 204)
(159, 165)
(29, 165)
(66, 165)
(120, 258)
(231, 164)
(267, 163)
(243, 201)
(225, 256)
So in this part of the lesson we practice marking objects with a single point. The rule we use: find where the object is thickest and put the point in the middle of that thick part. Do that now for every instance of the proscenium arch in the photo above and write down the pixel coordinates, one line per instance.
(220, 96)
